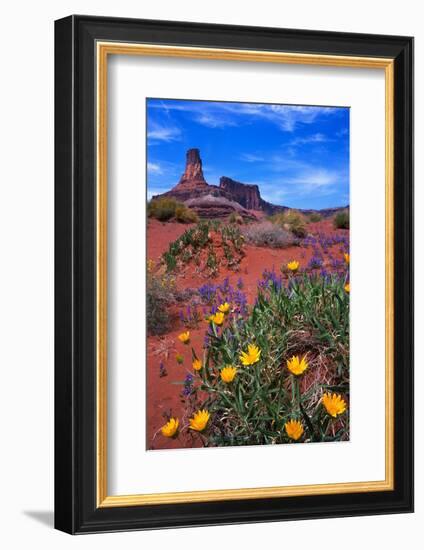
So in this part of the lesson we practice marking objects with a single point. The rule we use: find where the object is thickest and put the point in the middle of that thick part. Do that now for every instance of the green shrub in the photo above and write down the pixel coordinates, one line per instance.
(162, 209)
(291, 220)
(315, 217)
(341, 220)
(235, 218)
(268, 234)
(185, 215)
(196, 239)
(166, 209)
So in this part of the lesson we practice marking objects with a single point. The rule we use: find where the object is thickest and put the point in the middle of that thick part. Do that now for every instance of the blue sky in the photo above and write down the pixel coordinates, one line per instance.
(298, 155)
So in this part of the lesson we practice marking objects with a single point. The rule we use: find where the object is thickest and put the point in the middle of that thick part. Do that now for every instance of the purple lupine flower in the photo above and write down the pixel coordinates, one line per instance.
(271, 277)
(207, 292)
(162, 370)
(315, 262)
(188, 386)
(225, 284)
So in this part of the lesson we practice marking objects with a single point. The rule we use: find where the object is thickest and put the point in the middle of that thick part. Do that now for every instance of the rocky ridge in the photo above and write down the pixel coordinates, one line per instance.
(231, 196)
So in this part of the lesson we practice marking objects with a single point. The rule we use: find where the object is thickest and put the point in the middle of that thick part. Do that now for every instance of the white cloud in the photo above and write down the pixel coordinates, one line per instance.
(154, 168)
(249, 157)
(214, 121)
(314, 179)
(314, 138)
(286, 117)
(156, 132)
(309, 182)
(219, 114)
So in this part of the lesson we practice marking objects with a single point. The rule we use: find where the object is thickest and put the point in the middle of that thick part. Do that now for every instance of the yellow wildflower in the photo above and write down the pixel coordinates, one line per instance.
(347, 287)
(170, 428)
(184, 337)
(296, 365)
(199, 420)
(179, 358)
(293, 266)
(224, 308)
(217, 318)
(150, 265)
(197, 364)
(294, 429)
(334, 404)
(252, 355)
(347, 257)
(228, 374)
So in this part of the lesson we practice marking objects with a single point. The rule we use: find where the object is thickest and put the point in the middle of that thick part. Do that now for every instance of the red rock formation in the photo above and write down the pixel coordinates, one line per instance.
(210, 201)
(193, 174)
(217, 206)
(245, 194)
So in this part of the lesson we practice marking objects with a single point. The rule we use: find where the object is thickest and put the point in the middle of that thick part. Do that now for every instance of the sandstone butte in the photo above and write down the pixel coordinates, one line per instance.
(212, 201)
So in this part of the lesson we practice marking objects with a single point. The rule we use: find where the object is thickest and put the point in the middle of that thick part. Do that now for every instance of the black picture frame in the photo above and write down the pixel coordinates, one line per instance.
(76, 510)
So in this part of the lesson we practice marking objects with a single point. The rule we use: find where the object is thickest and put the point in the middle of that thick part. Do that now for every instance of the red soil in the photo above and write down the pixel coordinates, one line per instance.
(163, 393)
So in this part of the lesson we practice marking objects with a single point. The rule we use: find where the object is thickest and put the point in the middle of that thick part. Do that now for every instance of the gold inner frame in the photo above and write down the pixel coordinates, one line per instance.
(104, 49)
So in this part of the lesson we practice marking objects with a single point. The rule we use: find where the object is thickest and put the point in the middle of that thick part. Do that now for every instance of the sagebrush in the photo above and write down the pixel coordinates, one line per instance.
(268, 234)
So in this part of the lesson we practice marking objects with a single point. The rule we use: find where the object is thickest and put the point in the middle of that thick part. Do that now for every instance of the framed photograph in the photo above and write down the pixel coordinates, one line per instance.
(234, 274)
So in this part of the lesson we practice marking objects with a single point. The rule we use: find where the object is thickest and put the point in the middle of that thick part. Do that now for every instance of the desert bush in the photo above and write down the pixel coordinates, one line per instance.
(281, 358)
(159, 296)
(166, 209)
(341, 220)
(198, 239)
(185, 215)
(314, 217)
(291, 220)
(268, 234)
(162, 209)
(235, 218)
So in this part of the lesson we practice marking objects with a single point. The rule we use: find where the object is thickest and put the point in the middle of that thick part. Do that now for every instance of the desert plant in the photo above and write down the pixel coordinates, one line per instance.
(162, 209)
(279, 373)
(170, 261)
(185, 215)
(314, 217)
(212, 262)
(291, 220)
(341, 220)
(189, 246)
(268, 234)
(167, 208)
(160, 294)
(235, 218)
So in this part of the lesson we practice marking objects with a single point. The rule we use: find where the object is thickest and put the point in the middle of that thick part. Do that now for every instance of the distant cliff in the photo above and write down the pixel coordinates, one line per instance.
(245, 194)
(249, 196)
